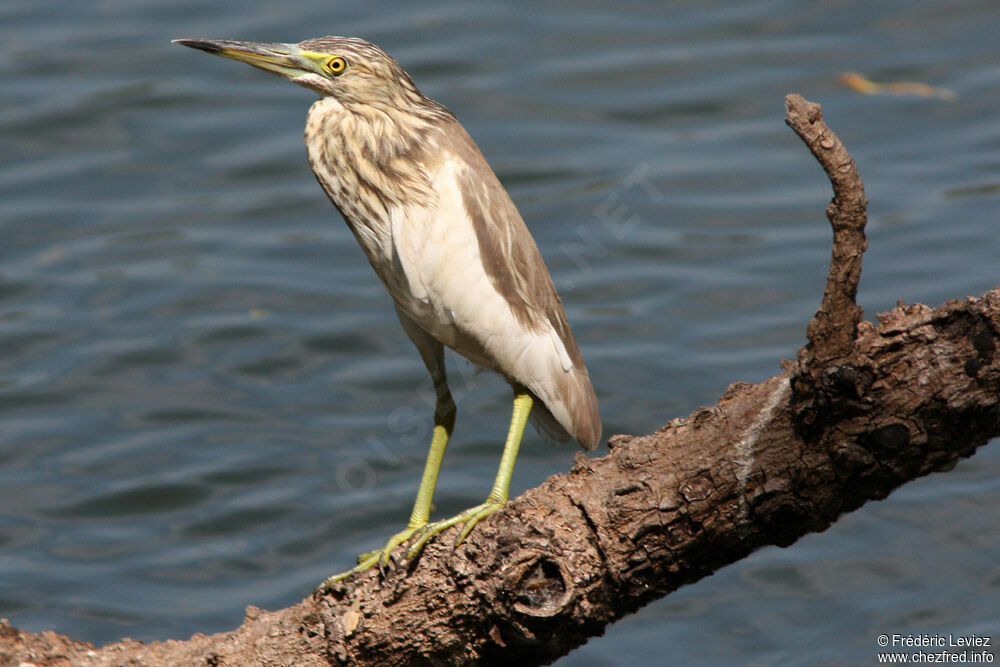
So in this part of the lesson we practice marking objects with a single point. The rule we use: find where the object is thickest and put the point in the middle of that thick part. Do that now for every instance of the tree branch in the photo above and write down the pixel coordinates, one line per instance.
(832, 330)
(864, 409)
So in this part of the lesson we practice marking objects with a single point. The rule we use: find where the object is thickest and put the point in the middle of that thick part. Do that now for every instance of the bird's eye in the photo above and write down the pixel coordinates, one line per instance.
(336, 65)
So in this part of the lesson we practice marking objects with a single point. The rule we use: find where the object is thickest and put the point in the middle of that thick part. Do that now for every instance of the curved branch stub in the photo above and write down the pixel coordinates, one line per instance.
(833, 329)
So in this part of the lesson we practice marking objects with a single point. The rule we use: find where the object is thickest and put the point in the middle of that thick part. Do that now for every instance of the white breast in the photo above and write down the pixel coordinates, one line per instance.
(449, 294)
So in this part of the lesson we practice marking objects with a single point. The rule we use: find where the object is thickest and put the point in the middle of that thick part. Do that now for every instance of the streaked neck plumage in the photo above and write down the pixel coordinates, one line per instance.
(369, 161)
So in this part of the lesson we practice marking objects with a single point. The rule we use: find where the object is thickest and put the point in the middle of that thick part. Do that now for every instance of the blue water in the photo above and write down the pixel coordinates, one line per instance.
(205, 398)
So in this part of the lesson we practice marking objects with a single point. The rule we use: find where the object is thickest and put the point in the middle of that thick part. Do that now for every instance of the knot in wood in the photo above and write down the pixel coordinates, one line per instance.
(541, 587)
(699, 487)
(886, 440)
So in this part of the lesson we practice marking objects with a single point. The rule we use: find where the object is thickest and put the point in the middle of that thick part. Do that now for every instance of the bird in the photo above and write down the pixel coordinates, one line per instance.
(448, 243)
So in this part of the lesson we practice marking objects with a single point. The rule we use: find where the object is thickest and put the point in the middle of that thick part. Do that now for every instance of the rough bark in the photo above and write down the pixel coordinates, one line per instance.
(833, 329)
(864, 409)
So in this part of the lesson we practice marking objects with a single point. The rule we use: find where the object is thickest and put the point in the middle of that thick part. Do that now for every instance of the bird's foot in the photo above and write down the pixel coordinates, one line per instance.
(469, 518)
(380, 557)
(423, 534)
(383, 555)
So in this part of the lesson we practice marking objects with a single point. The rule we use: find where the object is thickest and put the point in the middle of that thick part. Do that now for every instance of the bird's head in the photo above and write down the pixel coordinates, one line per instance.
(353, 71)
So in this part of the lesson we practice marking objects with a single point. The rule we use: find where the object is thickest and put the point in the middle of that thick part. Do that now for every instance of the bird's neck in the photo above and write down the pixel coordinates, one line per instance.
(384, 151)
(369, 162)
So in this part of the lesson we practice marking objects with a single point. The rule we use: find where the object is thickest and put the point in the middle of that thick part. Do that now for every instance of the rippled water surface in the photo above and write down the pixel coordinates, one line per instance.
(206, 400)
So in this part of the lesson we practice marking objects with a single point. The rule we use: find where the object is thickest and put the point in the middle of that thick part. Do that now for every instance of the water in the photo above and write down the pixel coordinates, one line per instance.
(206, 401)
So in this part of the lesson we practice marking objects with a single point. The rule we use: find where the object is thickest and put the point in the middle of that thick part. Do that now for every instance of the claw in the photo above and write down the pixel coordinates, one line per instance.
(382, 557)
(368, 560)
(360, 567)
(469, 517)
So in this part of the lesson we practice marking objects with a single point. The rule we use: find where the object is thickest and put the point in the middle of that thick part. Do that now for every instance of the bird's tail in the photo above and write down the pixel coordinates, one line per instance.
(578, 418)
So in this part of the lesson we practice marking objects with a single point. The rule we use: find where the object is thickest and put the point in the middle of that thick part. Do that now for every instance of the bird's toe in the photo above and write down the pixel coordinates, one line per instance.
(469, 518)
(381, 557)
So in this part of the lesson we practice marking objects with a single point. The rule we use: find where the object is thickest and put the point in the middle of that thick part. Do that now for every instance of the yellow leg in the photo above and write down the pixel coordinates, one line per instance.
(501, 487)
(444, 424)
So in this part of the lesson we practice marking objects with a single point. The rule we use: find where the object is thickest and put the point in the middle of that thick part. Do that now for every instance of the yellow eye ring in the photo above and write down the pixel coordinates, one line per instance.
(336, 65)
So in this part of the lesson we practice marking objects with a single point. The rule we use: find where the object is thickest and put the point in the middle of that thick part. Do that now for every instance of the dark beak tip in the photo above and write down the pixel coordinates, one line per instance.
(200, 44)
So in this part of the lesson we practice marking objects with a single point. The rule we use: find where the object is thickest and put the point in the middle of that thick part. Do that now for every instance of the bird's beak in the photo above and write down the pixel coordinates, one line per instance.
(287, 60)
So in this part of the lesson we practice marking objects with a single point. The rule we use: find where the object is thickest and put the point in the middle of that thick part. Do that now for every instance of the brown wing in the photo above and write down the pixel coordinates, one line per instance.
(517, 271)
